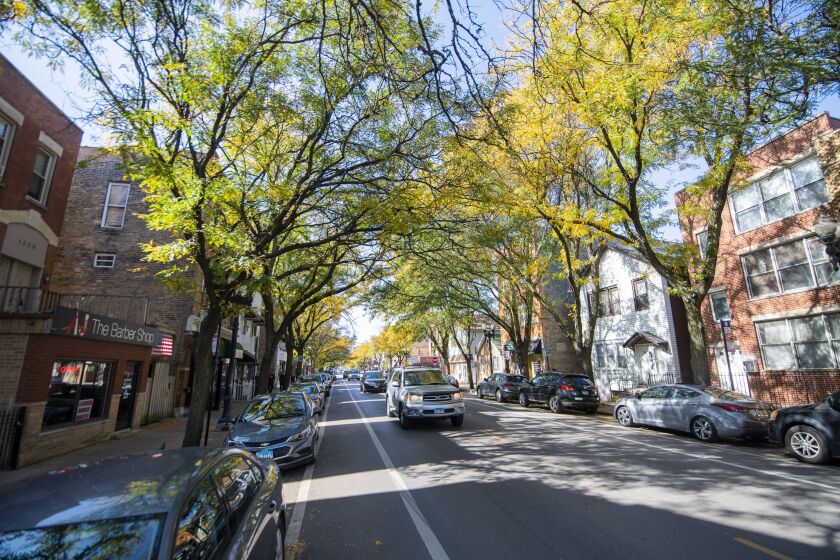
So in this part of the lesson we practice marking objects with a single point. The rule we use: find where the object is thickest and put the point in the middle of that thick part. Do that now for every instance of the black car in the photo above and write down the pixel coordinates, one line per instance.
(280, 427)
(180, 503)
(810, 432)
(561, 391)
(501, 386)
(373, 382)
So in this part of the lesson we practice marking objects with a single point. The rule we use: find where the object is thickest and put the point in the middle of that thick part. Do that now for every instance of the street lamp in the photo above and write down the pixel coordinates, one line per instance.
(490, 334)
(827, 228)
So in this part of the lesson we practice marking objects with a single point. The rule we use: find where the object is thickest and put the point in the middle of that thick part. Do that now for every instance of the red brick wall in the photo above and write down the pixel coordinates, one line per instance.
(43, 350)
(788, 388)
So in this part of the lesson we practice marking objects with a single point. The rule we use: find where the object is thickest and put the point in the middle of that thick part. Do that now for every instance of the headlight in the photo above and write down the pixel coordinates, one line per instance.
(414, 399)
(456, 396)
(774, 414)
(302, 435)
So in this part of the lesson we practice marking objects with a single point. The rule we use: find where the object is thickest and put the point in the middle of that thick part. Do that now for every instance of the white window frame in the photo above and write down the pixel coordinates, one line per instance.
(7, 143)
(45, 192)
(108, 205)
(700, 246)
(792, 342)
(98, 256)
(791, 191)
(814, 276)
(712, 305)
(646, 284)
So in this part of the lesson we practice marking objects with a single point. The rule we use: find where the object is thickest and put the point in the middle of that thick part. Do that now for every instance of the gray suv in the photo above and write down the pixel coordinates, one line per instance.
(422, 393)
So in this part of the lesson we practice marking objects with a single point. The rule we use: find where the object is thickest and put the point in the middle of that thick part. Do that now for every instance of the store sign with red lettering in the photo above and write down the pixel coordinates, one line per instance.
(82, 324)
(83, 409)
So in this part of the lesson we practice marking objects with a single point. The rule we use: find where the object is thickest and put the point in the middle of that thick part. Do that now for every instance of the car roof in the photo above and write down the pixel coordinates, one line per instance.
(116, 487)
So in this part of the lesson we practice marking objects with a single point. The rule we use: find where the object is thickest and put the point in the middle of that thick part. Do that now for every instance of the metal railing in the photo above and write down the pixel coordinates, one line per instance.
(11, 429)
(25, 299)
(629, 379)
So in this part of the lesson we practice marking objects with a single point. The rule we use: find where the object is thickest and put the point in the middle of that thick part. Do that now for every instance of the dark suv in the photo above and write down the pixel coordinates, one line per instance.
(500, 386)
(561, 391)
(810, 432)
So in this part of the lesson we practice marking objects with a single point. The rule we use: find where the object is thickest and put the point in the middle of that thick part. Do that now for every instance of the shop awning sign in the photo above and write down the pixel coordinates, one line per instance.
(82, 324)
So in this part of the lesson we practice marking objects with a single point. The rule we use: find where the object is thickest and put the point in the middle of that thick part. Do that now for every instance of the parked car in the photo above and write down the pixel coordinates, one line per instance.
(810, 432)
(561, 391)
(352, 375)
(326, 378)
(707, 412)
(421, 393)
(373, 381)
(323, 388)
(311, 392)
(501, 386)
(195, 502)
(452, 380)
(280, 427)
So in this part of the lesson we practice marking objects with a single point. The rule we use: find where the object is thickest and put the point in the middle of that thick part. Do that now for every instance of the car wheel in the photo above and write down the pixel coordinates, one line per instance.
(591, 410)
(405, 423)
(554, 404)
(480, 394)
(363, 389)
(523, 399)
(499, 397)
(279, 545)
(807, 444)
(624, 416)
(458, 420)
(703, 429)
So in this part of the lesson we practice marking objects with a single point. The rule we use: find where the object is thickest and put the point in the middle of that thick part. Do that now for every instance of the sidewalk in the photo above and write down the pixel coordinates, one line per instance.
(168, 432)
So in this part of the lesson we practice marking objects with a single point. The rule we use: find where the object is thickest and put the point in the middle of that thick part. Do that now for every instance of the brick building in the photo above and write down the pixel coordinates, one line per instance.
(72, 362)
(773, 279)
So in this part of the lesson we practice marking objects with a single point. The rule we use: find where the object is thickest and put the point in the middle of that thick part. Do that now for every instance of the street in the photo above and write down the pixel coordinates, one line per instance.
(524, 483)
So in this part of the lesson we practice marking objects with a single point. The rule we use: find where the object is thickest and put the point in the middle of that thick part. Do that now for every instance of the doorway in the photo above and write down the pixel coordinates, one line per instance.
(128, 394)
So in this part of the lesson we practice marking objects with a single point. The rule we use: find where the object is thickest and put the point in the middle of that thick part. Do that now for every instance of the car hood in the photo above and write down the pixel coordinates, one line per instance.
(273, 430)
(800, 408)
(432, 389)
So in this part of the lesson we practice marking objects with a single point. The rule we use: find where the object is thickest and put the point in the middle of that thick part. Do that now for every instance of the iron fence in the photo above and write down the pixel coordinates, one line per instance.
(26, 299)
(11, 429)
(627, 380)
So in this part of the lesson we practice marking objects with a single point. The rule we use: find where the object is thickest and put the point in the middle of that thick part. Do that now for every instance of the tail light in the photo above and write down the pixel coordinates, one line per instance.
(732, 407)
(508, 385)
(566, 388)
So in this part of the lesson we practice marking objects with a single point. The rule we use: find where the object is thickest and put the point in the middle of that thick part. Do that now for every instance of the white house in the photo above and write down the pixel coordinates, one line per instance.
(641, 336)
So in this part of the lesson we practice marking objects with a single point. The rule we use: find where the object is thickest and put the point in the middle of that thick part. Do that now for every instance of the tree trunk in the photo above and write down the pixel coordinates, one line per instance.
(268, 361)
(298, 363)
(697, 344)
(290, 367)
(203, 378)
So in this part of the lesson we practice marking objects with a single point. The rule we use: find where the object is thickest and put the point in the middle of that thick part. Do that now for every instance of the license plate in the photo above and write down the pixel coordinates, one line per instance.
(584, 392)
(439, 410)
(578, 398)
(265, 454)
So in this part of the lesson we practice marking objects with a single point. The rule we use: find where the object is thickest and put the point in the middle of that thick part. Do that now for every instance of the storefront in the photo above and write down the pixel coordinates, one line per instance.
(82, 382)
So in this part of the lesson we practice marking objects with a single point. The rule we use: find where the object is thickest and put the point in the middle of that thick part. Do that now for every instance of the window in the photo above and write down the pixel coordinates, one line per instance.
(600, 356)
(116, 201)
(104, 260)
(640, 295)
(612, 355)
(238, 485)
(78, 391)
(789, 267)
(684, 393)
(802, 343)
(657, 393)
(608, 302)
(6, 131)
(702, 242)
(203, 527)
(720, 306)
(784, 193)
(39, 183)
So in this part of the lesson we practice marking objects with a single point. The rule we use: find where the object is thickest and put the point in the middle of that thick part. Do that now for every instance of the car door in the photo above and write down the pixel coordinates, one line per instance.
(536, 389)
(249, 526)
(681, 407)
(203, 530)
(496, 383)
(649, 408)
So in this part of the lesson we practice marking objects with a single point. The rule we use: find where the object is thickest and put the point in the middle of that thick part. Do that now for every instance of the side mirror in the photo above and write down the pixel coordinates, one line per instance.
(834, 401)
(637, 395)
(395, 383)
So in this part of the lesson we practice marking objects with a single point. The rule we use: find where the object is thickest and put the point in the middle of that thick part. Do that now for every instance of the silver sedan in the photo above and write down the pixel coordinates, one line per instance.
(705, 411)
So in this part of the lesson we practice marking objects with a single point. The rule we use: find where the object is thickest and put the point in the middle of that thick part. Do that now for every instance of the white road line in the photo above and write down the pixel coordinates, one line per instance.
(293, 531)
(431, 541)
(776, 474)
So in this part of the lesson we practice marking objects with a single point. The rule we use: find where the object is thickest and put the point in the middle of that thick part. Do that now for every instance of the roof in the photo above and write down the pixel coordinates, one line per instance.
(122, 486)
(644, 337)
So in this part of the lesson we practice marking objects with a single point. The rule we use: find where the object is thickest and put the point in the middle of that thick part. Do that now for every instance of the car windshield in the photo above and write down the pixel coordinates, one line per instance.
(374, 375)
(719, 393)
(132, 538)
(266, 410)
(423, 377)
(578, 381)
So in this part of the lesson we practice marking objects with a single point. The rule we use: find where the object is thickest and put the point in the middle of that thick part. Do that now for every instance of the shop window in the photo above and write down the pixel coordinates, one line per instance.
(78, 391)
(116, 202)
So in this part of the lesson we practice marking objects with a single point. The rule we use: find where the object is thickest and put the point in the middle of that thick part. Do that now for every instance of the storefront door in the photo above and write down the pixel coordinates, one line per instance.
(128, 393)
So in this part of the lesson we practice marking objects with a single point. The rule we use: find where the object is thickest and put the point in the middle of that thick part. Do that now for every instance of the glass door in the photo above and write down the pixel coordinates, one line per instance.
(128, 393)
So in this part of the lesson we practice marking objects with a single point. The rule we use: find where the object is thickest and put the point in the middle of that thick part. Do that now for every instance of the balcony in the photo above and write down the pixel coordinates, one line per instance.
(16, 301)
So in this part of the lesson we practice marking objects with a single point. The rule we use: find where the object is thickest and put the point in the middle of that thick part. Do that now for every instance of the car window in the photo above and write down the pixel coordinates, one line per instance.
(577, 381)
(719, 393)
(657, 393)
(683, 393)
(236, 480)
(537, 380)
(203, 529)
(263, 411)
(512, 378)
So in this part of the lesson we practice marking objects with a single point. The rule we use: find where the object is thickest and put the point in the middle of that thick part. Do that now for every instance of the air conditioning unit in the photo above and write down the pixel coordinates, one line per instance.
(751, 366)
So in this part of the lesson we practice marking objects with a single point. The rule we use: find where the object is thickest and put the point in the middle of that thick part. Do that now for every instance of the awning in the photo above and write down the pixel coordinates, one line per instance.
(644, 337)
(535, 347)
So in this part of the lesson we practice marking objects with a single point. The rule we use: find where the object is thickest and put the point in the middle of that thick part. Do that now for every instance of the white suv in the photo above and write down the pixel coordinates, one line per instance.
(422, 393)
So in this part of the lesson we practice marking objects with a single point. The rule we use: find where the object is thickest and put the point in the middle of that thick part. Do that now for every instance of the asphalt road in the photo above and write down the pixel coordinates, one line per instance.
(516, 483)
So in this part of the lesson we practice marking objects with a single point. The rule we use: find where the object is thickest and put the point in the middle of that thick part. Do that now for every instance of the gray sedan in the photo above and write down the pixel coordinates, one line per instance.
(184, 503)
(705, 411)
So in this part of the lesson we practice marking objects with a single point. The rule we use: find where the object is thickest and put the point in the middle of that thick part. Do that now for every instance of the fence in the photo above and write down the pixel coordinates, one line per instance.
(621, 381)
(25, 299)
(11, 428)
(243, 390)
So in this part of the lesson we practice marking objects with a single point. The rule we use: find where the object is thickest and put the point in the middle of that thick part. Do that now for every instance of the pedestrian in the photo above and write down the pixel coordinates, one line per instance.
(271, 383)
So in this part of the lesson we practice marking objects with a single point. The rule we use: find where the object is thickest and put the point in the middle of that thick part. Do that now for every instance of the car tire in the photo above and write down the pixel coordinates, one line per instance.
(363, 390)
(703, 429)
(457, 420)
(523, 400)
(479, 393)
(499, 397)
(405, 422)
(279, 544)
(554, 404)
(591, 410)
(624, 416)
(807, 445)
